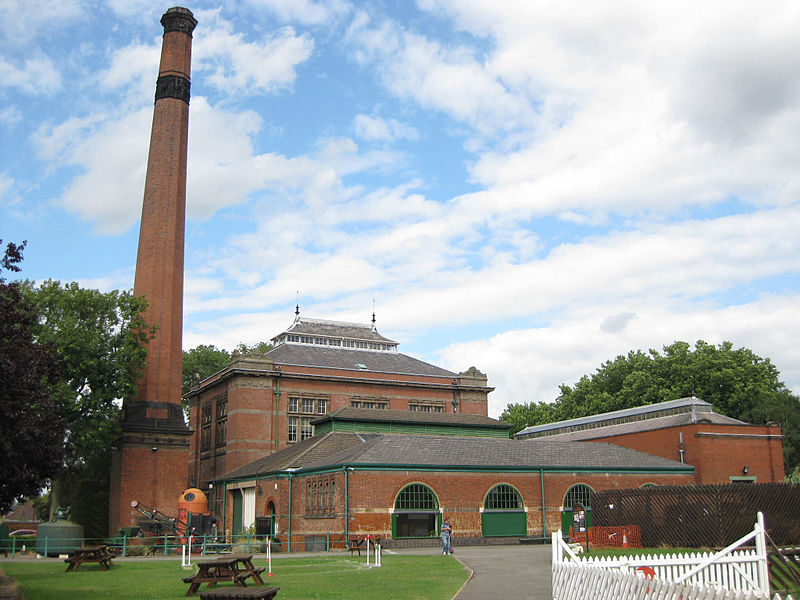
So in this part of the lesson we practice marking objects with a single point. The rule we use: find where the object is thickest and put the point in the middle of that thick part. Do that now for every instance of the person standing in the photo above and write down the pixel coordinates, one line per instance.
(446, 531)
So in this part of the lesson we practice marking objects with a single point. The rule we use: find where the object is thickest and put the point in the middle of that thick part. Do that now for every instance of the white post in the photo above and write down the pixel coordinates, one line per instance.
(761, 552)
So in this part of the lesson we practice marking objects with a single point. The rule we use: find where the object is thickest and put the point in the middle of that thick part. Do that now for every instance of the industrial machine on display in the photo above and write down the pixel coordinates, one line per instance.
(193, 517)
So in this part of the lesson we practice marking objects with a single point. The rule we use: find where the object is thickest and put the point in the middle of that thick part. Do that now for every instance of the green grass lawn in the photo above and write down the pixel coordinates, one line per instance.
(433, 577)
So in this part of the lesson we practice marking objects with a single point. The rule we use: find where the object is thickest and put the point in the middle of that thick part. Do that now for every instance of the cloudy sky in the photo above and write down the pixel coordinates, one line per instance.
(528, 186)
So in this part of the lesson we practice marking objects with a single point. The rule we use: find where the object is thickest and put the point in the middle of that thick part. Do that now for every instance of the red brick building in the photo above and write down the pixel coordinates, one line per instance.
(399, 487)
(721, 449)
(263, 403)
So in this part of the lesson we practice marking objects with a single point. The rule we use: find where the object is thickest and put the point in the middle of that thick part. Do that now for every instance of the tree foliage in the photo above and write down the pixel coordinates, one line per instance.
(737, 382)
(100, 339)
(205, 360)
(201, 362)
(32, 423)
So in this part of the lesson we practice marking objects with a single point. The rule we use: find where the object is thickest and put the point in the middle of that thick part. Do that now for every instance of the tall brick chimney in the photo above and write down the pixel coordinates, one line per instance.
(150, 463)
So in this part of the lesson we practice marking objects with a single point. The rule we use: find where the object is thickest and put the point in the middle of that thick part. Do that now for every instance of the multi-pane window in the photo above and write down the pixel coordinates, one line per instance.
(369, 403)
(578, 494)
(300, 428)
(206, 418)
(503, 497)
(221, 437)
(320, 500)
(416, 497)
(428, 407)
(222, 434)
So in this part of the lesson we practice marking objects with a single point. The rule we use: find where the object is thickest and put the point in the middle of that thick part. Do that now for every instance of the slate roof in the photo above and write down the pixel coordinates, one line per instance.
(338, 358)
(463, 452)
(642, 412)
(410, 416)
(356, 331)
(640, 426)
(309, 451)
(337, 449)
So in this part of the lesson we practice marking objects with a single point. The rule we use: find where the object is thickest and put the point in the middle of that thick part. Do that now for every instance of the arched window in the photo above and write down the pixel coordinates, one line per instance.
(578, 494)
(416, 512)
(503, 497)
(416, 497)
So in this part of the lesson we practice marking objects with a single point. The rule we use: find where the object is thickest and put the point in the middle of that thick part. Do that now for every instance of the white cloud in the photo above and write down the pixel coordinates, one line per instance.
(306, 12)
(33, 76)
(451, 79)
(528, 365)
(239, 67)
(378, 129)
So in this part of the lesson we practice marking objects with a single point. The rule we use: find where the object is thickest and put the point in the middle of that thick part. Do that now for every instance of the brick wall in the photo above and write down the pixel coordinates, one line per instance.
(718, 452)
(372, 496)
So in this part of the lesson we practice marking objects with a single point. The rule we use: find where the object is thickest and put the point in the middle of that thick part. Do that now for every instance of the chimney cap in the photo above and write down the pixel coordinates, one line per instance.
(178, 18)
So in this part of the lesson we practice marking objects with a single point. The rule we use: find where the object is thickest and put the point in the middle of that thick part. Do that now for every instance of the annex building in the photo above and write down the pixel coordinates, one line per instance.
(263, 403)
(357, 477)
(721, 449)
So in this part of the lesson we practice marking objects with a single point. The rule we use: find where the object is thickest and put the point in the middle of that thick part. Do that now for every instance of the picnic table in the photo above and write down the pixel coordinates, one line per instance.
(229, 568)
(98, 554)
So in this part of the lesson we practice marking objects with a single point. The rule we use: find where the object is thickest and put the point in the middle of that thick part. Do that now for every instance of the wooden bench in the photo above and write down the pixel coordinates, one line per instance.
(237, 593)
(255, 573)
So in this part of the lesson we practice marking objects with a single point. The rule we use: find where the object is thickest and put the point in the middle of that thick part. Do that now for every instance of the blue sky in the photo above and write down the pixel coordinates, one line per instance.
(529, 187)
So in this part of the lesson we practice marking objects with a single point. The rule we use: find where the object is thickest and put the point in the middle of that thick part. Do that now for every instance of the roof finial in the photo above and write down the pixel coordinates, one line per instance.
(297, 307)
(373, 314)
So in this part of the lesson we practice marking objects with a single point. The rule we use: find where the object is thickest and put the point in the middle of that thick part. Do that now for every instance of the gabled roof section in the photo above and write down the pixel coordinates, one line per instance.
(637, 413)
(355, 360)
(369, 415)
(411, 451)
(299, 455)
(710, 418)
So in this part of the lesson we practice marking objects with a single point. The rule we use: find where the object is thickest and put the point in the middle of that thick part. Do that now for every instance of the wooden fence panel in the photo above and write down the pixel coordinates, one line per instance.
(710, 516)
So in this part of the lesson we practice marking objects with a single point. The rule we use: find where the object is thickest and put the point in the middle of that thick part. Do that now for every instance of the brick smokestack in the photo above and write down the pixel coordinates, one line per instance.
(150, 464)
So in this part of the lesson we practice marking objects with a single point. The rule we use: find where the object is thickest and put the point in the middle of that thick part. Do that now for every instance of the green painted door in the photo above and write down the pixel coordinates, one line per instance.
(236, 526)
(566, 519)
(504, 523)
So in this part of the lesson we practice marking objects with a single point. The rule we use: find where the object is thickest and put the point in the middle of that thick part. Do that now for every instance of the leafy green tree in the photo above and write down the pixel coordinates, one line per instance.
(101, 341)
(737, 382)
(205, 360)
(202, 362)
(32, 424)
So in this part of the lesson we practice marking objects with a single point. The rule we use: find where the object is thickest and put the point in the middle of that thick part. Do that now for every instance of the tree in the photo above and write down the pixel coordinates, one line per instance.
(32, 424)
(737, 383)
(205, 360)
(202, 362)
(101, 341)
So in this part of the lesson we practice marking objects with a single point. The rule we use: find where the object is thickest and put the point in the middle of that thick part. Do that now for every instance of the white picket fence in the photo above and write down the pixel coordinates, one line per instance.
(572, 581)
(732, 573)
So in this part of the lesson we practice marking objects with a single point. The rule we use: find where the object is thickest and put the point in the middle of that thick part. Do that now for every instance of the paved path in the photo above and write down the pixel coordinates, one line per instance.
(517, 572)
